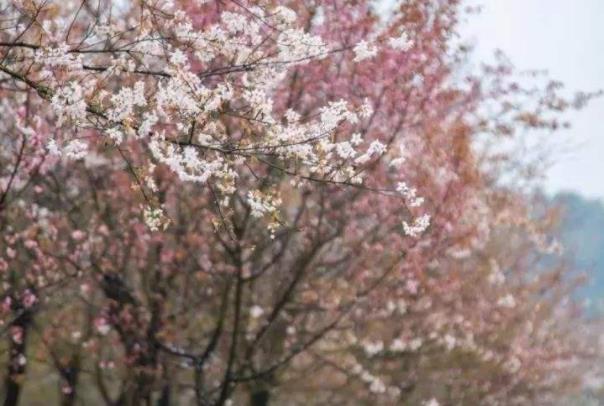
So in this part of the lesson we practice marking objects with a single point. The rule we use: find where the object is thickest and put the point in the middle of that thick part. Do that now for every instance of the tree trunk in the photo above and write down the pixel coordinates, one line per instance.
(164, 399)
(70, 374)
(17, 361)
(259, 397)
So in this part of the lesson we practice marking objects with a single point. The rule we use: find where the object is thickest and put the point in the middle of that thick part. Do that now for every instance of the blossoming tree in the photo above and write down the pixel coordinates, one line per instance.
(203, 201)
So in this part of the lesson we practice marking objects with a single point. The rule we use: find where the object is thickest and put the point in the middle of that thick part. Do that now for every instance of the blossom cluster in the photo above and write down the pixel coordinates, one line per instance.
(207, 121)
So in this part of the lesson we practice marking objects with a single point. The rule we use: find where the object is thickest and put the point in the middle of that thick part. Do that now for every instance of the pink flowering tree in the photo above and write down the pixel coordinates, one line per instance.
(203, 201)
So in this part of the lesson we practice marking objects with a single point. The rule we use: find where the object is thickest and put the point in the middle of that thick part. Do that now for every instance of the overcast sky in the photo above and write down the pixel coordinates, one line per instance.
(566, 37)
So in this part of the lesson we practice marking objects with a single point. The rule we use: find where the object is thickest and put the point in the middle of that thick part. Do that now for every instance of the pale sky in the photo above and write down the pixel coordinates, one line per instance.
(566, 37)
